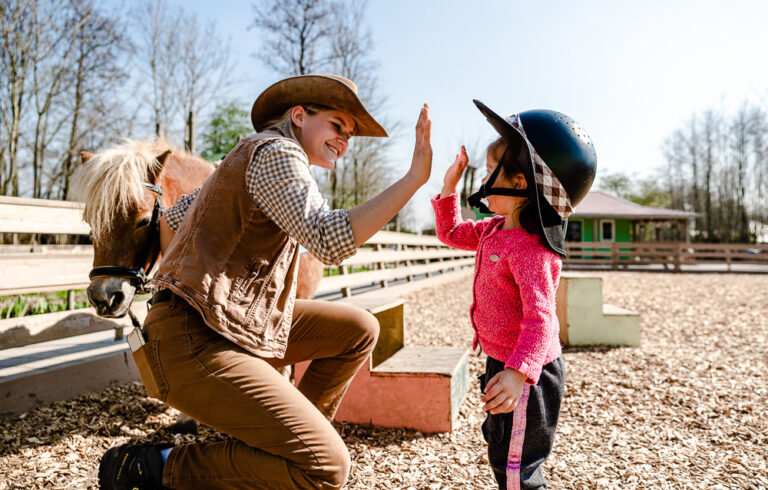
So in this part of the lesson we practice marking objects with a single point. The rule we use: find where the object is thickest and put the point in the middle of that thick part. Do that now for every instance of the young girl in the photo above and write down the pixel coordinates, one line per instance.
(537, 170)
(227, 315)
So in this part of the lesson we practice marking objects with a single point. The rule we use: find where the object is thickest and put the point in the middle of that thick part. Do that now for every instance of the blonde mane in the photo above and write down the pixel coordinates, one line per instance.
(111, 183)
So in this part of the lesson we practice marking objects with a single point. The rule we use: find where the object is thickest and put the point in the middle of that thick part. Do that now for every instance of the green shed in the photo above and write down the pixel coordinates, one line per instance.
(600, 217)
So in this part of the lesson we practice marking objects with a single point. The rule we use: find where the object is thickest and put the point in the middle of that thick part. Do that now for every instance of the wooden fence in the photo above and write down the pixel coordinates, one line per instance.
(670, 255)
(386, 257)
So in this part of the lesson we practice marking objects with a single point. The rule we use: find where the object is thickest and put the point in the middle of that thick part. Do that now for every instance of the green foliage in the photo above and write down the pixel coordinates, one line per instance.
(646, 192)
(16, 309)
(34, 304)
(228, 124)
(618, 184)
(334, 271)
(650, 194)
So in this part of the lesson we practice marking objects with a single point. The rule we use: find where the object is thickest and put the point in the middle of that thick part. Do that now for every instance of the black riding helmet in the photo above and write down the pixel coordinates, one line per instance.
(563, 165)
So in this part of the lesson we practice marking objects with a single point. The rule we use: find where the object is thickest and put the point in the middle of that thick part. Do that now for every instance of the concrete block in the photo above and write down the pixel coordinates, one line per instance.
(403, 386)
(584, 320)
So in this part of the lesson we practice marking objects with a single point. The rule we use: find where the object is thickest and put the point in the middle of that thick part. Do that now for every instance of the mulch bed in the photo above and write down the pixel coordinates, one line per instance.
(685, 410)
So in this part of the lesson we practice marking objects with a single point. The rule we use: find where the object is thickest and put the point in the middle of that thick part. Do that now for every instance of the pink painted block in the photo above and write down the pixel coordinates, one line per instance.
(417, 388)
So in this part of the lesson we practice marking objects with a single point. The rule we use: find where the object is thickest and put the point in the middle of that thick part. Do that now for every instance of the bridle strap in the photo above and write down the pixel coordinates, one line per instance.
(152, 254)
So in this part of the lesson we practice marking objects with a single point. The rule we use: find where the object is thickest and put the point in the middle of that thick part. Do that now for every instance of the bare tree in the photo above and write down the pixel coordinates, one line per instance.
(693, 147)
(100, 44)
(295, 34)
(54, 42)
(17, 26)
(204, 69)
(158, 49)
(717, 166)
(740, 146)
(759, 170)
(709, 136)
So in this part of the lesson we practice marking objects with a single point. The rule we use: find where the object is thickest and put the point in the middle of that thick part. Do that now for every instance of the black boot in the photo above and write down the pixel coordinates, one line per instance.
(132, 467)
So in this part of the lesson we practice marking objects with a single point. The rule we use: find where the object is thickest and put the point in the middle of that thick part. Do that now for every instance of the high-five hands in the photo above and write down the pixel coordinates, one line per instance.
(421, 165)
(503, 391)
(454, 173)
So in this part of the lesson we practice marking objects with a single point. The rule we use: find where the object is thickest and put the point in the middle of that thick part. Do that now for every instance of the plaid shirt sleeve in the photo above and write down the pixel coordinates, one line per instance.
(280, 181)
(175, 213)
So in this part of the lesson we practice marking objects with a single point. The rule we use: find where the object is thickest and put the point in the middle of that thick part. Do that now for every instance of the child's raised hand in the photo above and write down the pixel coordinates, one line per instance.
(503, 391)
(454, 173)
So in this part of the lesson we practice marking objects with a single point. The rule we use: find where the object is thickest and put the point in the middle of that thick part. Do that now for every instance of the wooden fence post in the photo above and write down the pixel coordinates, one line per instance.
(345, 291)
(381, 265)
(409, 277)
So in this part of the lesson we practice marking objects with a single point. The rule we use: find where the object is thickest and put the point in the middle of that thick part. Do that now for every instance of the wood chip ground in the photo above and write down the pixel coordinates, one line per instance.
(686, 410)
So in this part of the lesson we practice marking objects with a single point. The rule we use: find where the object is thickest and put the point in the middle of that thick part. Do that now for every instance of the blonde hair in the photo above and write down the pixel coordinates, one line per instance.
(284, 122)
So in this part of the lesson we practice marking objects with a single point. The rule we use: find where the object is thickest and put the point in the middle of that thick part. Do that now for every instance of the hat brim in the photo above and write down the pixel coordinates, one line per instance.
(321, 90)
(552, 225)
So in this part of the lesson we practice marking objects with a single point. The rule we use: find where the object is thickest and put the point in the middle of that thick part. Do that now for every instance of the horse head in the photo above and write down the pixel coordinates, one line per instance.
(123, 205)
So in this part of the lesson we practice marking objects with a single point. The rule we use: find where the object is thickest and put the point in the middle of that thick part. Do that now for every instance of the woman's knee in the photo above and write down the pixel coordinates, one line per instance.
(366, 328)
(335, 462)
(339, 473)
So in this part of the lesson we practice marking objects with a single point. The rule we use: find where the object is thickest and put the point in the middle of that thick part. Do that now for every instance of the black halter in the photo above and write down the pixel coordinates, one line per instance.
(139, 277)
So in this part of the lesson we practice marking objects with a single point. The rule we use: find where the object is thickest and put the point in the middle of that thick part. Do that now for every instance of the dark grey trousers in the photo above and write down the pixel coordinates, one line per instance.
(540, 422)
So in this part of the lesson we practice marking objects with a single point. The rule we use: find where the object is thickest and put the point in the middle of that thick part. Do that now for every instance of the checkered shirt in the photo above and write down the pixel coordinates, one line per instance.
(279, 180)
(175, 213)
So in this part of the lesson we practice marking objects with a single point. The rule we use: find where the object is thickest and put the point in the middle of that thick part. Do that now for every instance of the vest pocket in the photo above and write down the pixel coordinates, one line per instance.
(147, 360)
(244, 281)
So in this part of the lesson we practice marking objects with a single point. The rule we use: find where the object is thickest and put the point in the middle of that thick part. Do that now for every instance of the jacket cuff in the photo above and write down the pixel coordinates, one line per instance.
(532, 373)
(445, 206)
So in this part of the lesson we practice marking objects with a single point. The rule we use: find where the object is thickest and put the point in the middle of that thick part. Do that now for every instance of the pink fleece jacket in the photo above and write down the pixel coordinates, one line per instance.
(516, 276)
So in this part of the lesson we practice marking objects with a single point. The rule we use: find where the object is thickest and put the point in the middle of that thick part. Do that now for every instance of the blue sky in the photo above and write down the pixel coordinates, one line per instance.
(629, 72)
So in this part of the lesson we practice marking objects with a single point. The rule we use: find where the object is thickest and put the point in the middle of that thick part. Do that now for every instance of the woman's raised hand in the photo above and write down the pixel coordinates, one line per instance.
(421, 165)
(454, 173)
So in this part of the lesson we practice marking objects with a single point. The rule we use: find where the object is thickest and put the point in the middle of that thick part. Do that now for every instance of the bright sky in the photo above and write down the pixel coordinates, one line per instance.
(629, 72)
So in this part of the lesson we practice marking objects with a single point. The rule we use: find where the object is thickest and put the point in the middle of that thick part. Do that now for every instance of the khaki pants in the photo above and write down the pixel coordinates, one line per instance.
(283, 435)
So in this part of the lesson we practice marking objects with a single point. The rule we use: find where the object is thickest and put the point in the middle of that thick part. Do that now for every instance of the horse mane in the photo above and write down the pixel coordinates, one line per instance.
(112, 182)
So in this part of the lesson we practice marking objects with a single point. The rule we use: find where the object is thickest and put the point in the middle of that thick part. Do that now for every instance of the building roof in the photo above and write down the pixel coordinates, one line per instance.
(598, 204)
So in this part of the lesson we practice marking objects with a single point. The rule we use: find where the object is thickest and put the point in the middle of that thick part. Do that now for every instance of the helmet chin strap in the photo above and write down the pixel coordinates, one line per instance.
(475, 200)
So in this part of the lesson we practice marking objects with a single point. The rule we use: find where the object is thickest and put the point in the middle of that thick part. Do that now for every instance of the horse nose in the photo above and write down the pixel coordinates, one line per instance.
(104, 299)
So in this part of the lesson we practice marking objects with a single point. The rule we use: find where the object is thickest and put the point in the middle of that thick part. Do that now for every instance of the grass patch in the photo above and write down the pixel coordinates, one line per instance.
(39, 304)
(334, 271)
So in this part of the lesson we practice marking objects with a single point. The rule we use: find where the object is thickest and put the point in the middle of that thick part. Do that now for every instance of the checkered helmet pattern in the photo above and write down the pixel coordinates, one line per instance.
(547, 183)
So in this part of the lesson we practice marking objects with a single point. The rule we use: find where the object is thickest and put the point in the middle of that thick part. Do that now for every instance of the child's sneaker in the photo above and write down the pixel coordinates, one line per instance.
(132, 467)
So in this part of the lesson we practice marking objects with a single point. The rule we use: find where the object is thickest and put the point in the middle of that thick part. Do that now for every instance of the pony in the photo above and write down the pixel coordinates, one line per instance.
(125, 189)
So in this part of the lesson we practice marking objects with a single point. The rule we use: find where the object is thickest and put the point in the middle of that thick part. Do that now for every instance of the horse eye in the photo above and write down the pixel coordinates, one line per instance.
(143, 223)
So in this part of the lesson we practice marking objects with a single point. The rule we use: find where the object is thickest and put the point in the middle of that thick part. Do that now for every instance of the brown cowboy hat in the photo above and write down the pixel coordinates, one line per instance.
(331, 91)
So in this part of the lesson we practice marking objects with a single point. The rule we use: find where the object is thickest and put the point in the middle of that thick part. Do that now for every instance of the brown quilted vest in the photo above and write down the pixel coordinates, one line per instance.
(231, 262)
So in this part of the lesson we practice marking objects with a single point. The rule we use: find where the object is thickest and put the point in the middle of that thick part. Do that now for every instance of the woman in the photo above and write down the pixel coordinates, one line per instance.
(227, 316)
